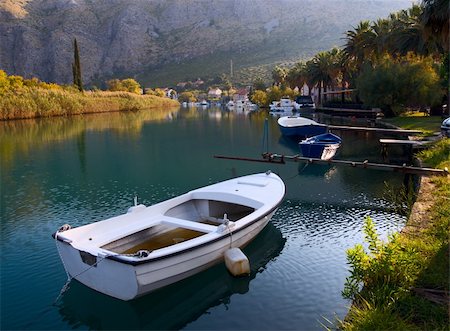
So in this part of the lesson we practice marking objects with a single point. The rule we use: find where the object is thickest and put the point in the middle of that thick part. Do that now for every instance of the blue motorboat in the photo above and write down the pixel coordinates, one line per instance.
(322, 146)
(300, 126)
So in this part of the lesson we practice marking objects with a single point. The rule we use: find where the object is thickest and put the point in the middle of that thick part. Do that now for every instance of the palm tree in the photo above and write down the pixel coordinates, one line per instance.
(279, 75)
(381, 41)
(411, 33)
(359, 43)
(435, 19)
(323, 70)
(347, 71)
(407, 33)
(296, 76)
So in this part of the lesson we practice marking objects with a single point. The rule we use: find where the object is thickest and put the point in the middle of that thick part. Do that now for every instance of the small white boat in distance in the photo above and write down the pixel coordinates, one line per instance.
(230, 105)
(147, 248)
(304, 101)
(284, 105)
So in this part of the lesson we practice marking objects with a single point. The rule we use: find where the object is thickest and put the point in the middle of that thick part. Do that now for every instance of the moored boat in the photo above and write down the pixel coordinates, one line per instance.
(147, 248)
(300, 126)
(304, 101)
(284, 105)
(323, 146)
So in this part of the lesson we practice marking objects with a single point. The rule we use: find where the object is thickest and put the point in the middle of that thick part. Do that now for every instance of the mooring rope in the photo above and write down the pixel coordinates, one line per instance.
(226, 222)
(66, 286)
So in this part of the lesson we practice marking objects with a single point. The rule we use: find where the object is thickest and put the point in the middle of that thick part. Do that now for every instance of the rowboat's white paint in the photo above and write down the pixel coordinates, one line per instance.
(114, 273)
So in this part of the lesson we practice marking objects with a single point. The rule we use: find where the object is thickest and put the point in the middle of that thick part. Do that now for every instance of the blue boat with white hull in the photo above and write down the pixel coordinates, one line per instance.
(300, 126)
(323, 146)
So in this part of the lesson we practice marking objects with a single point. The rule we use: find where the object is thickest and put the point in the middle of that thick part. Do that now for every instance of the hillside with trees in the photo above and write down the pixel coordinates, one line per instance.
(162, 42)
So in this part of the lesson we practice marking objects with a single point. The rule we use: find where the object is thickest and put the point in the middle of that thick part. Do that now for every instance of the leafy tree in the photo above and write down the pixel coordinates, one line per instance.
(394, 85)
(260, 98)
(159, 92)
(259, 84)
(274, 93)
(186, 97)
(126, 85)
(4, 82)
(76, 67)
(131, 85)
(225, 82)
(114, 85)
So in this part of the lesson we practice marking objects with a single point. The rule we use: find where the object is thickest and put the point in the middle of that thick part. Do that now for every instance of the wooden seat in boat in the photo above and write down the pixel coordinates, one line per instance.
(191, 225)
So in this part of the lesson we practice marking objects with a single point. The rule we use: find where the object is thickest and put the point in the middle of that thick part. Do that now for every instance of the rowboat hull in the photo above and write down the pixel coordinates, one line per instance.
(322, 146)
(103, 264)
(300, 126)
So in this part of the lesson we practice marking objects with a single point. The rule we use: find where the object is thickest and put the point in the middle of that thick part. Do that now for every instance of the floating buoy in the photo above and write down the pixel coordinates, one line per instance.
(236, 262)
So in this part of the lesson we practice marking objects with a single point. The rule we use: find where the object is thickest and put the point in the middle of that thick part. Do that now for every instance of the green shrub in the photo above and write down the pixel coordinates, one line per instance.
(382, 273)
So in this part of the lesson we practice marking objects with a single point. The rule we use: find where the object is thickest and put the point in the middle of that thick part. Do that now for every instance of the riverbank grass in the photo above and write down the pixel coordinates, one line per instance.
(36, 102)
(403, 284)
(30, 98)
(417, 121)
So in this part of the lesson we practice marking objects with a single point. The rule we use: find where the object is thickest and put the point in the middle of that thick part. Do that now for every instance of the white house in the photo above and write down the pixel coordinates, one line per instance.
(240, 95)
(214, 93)
(171, 93)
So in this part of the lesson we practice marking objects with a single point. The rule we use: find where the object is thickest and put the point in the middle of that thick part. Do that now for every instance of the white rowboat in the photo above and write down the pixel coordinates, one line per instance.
(147, 248)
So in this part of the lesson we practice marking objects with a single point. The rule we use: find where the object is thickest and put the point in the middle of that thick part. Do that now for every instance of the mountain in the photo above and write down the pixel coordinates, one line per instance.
(164, 41)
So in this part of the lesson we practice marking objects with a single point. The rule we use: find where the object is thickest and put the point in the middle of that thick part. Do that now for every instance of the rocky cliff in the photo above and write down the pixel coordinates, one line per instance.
(130, 38)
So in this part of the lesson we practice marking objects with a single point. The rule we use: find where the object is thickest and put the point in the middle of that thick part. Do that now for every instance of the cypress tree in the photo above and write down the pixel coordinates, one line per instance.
(76, 67)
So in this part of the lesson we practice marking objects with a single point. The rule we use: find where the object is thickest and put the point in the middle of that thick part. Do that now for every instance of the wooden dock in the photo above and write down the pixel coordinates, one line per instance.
(412, 144)
(348, 111)
(377, 130)
(282, 159)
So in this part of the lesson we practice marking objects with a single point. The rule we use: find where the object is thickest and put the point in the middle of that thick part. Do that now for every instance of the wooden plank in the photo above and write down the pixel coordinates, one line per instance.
(281, 159)
(186, 224)
(348, 110)
(403, 142)
(339, 91)
(357, 164)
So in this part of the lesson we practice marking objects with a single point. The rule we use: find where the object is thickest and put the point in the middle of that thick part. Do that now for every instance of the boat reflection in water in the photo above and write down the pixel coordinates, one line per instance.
(176, 305)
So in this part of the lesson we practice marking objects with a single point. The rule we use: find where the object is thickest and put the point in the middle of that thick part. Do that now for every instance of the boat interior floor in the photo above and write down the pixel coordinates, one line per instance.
(170, 231)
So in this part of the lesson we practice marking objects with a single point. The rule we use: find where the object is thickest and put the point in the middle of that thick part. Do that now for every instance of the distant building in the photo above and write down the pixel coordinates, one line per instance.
(171, 93)
(240, 95)
(214, 93)
(305, 90)
(198, 82)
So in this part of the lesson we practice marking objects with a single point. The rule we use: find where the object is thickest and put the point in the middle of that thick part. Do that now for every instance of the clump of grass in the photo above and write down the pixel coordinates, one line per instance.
(438, 156)
(401, 199)
(368, 317)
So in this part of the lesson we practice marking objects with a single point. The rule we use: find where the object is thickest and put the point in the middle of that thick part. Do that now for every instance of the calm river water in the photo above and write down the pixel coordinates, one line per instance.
(82, 169)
